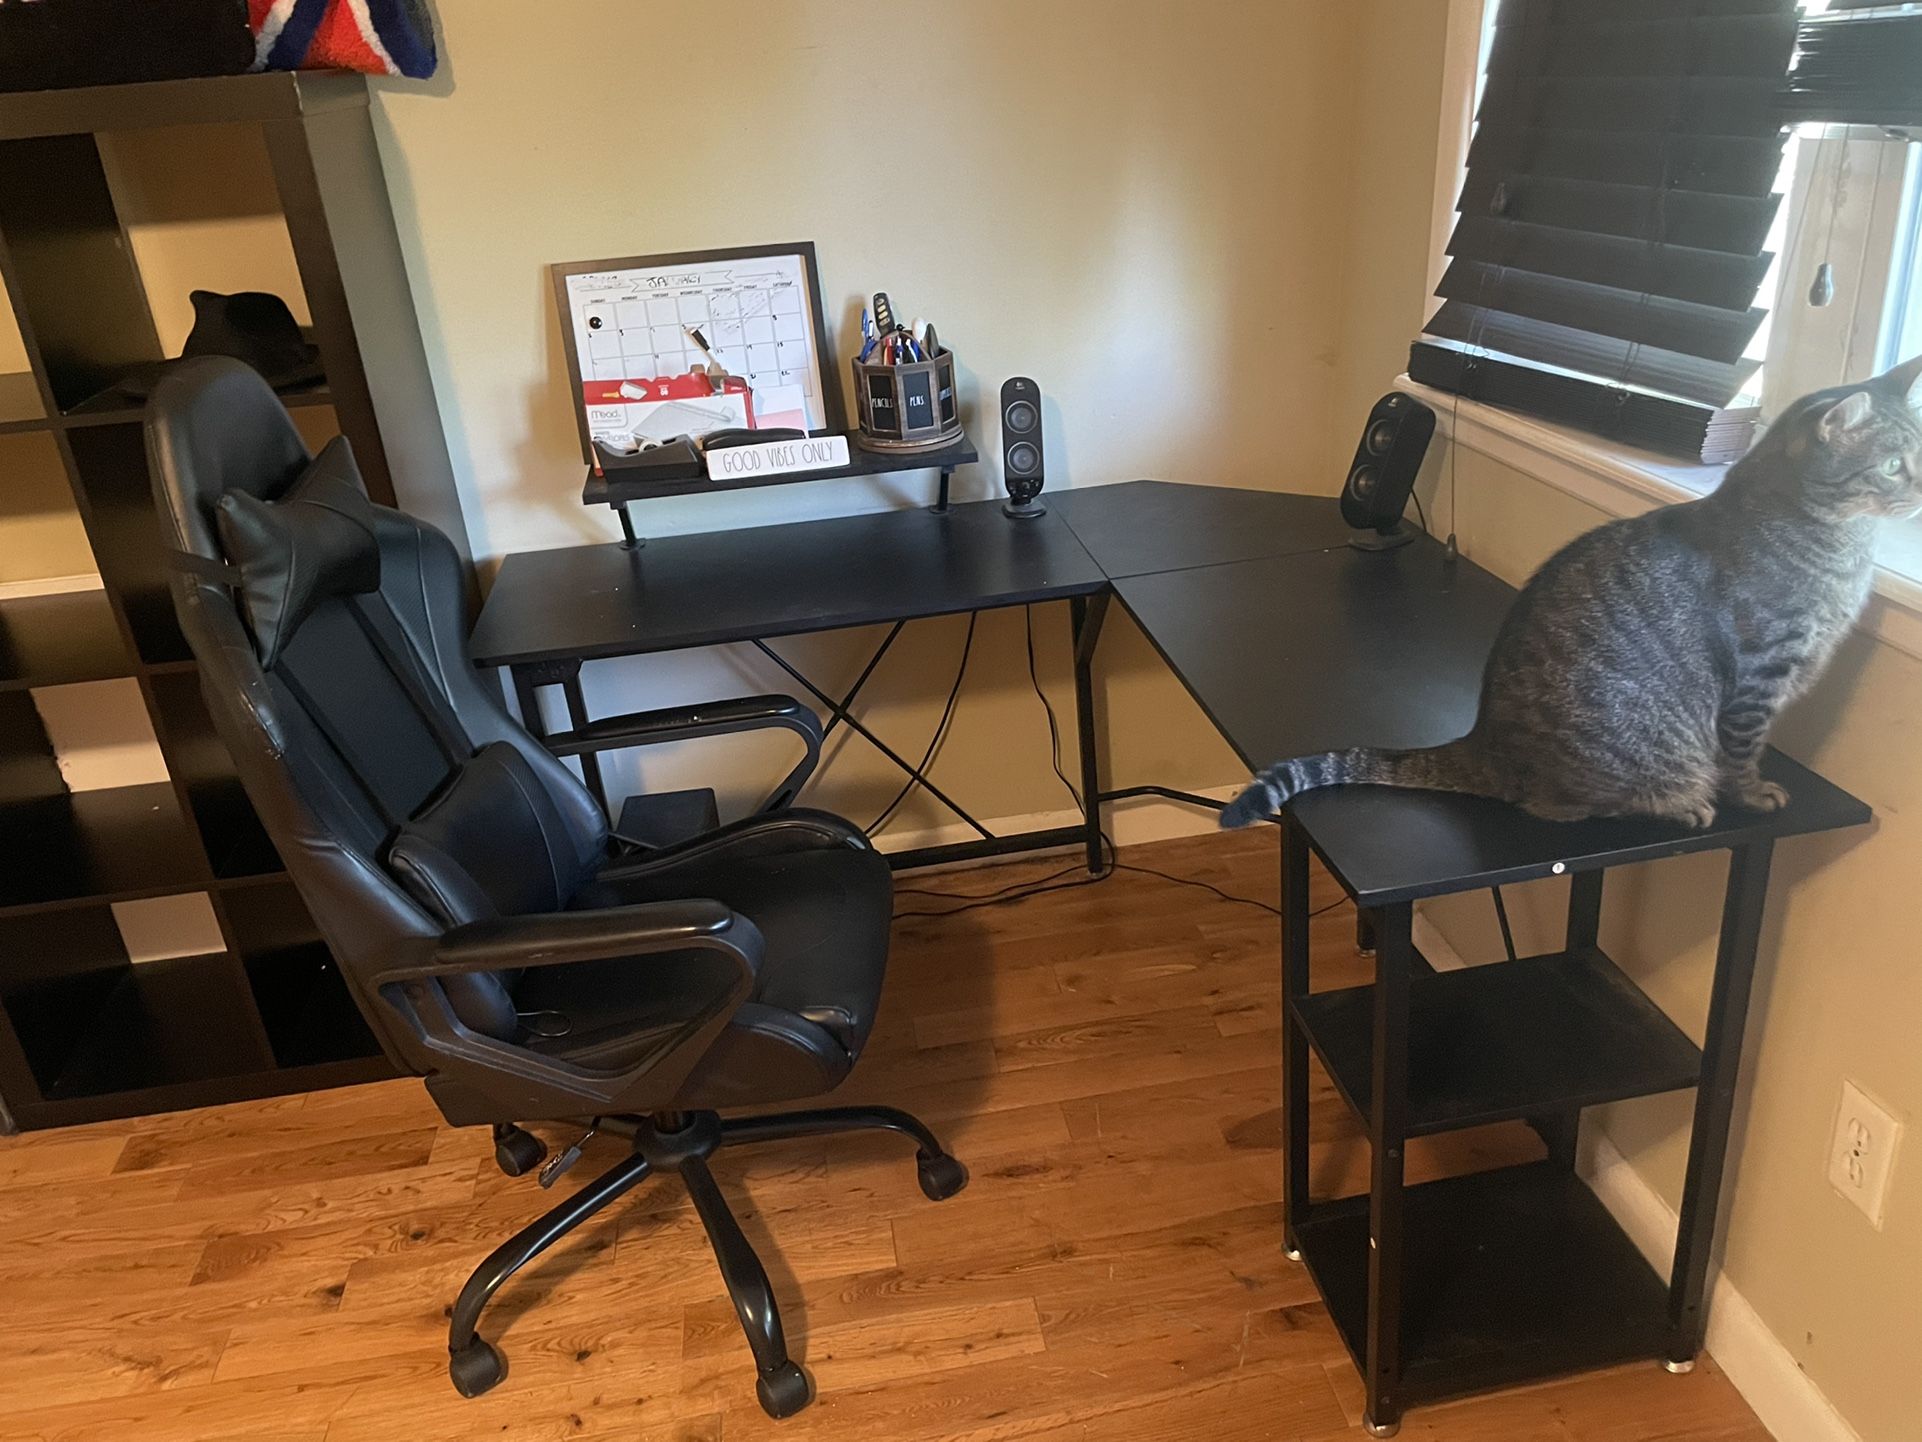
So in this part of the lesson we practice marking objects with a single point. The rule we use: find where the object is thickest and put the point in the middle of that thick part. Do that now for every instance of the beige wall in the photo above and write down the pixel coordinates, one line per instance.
(1838, 994)
(1146, 206)
(1394, 119)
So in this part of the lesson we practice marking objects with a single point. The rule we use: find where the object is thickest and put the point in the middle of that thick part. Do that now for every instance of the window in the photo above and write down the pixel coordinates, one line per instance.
(1609, 245)
(1851, 196)
(1636, 252)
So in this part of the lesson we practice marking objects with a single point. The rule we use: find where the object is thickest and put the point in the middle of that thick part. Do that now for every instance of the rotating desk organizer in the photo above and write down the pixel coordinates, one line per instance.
(907, 407)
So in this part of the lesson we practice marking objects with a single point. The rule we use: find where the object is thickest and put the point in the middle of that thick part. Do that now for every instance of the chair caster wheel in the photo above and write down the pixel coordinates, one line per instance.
(476, 1368)
(518, 1152)
(941, 1176)
(784, 1391)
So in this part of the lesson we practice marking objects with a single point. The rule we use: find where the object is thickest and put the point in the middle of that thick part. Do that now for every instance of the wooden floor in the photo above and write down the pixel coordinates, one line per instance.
(1105, 1060)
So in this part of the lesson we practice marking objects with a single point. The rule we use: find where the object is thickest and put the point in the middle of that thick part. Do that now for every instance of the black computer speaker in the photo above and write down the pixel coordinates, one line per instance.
(1022, 462)
(1383, 474)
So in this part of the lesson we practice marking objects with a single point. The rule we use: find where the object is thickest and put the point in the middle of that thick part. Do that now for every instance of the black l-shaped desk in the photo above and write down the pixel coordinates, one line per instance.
(1292, 642)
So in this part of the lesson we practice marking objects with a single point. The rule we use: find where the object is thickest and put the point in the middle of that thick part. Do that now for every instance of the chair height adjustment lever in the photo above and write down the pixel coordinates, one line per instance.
(557, 1165)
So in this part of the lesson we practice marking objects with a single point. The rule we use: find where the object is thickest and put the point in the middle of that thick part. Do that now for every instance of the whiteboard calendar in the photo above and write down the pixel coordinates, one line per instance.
(682, 345)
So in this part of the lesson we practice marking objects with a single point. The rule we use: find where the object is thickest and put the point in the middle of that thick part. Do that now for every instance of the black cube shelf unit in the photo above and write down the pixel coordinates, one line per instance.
(85, 1033)
(1519, 1273)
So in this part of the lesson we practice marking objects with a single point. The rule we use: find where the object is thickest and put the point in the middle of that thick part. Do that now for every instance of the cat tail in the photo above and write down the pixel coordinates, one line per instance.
(1451, 767)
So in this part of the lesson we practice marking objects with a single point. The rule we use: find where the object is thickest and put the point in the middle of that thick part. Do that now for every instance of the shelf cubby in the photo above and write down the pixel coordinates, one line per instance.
(20, 407)
(230, 830)
(118, 841)
(112, 464)
(144, 1025)
(309, 1015)
(50, 640)
(1492, 1043)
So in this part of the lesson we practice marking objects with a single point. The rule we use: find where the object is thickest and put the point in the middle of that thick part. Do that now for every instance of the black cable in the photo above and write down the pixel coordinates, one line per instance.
(1043, 886)
(1210, 886)
(1054, 726)
(1421, 511)
(1007, 896)
(940, 731)
(1501, 915)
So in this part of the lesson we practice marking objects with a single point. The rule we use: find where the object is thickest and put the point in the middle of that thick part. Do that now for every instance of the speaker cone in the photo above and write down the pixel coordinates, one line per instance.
(1023, 458)
(1381, 437)
(1362, 482)
(1020, 416)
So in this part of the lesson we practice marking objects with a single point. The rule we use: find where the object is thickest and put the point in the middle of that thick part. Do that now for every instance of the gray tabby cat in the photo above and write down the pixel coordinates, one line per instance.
(1639, 671)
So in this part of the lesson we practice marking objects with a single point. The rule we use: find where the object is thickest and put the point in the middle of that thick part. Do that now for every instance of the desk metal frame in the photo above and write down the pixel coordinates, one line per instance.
(1086, 615)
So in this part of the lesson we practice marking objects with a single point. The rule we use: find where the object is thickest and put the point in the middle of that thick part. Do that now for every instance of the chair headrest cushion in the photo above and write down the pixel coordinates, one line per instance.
(317, 541)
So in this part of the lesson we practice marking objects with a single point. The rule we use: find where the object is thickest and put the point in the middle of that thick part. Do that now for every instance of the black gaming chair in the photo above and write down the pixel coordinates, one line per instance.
(498, 943)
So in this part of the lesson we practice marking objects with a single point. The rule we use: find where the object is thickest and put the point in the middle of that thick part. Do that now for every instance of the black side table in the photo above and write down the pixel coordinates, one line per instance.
(1520, 1273)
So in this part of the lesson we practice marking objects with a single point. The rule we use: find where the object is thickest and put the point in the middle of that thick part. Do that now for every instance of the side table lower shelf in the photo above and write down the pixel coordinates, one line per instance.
(1512, 1275)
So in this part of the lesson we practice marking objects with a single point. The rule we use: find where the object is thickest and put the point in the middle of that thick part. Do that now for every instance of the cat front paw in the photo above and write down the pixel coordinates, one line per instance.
(1762, 796)
(1698, 817)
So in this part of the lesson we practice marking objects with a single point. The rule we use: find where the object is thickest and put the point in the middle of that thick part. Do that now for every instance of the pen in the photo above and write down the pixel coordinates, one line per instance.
(694, 334)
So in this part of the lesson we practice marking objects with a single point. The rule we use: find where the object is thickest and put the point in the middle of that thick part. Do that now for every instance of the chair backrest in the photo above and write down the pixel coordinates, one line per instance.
(330, 636)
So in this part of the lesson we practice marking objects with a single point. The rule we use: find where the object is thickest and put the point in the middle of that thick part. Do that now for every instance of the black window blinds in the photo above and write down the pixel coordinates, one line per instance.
(1853, 68)
(1612, 231)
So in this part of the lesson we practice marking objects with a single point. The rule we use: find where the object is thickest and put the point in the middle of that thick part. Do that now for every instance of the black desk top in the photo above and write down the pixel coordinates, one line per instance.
(1143, 527)
(1291, 642)
(1296, 654)
(700, 590)
(1388, 845)
(1301, 654)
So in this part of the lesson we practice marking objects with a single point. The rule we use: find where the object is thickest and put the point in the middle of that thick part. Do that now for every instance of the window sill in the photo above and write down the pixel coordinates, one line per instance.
(1620, 481)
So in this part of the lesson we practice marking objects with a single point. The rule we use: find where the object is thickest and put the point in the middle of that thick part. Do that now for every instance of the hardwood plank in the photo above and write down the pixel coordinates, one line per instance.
(1103, 1058)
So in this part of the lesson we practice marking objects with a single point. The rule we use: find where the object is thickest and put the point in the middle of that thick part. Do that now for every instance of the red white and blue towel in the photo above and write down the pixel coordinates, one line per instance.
(379, 37)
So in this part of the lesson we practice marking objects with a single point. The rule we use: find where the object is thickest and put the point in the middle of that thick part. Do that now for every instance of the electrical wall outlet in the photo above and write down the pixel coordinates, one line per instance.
(1862, 1151)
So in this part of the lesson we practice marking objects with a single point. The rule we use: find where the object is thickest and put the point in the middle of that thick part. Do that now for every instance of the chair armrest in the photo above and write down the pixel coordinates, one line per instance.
(689, 723)
(558, 939)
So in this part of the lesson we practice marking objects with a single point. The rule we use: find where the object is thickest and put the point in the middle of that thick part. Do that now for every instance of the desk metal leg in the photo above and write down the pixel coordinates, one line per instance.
(1561, 1131)
(1087, 614)
(1294, 1044)
(1387, 1136)
(528, 680)
(1748, 876)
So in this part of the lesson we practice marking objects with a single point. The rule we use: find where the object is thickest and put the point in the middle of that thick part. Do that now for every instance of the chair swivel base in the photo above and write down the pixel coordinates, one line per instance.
(683, 1142)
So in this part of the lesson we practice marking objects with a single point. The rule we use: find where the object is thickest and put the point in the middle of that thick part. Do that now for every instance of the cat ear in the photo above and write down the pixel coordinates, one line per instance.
(1845, 415)
(1906, 381)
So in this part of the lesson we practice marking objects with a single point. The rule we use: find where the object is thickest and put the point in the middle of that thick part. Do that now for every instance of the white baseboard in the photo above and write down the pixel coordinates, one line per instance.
(1129, 823)
(1764, 1371)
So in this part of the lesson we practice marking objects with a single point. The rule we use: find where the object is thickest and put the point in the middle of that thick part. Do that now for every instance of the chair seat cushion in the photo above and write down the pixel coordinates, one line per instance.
(823, 912)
